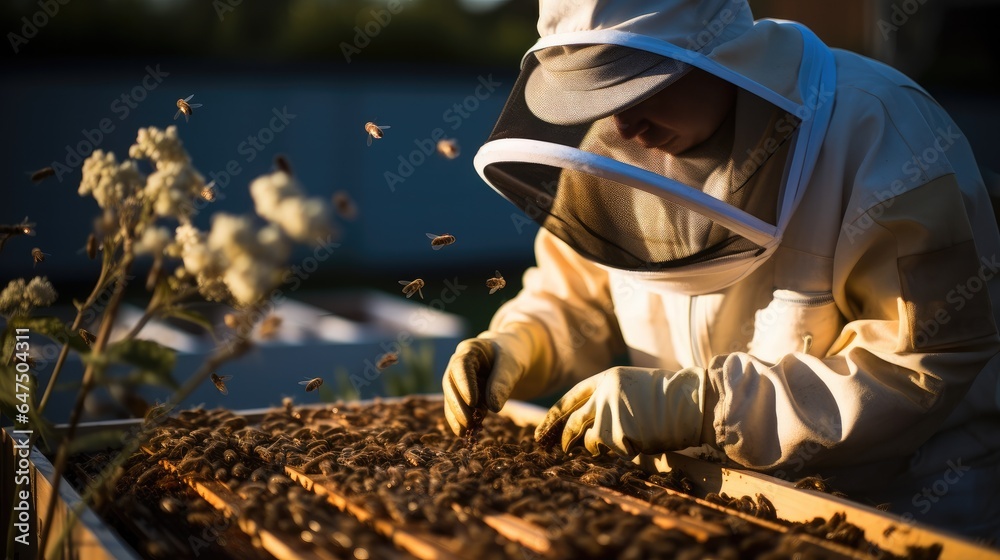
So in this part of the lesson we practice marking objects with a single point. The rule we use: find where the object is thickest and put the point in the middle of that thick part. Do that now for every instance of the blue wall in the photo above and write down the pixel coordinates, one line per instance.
(50, 109)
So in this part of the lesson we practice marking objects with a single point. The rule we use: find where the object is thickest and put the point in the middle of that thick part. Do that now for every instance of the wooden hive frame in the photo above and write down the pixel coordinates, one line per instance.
(888, 531)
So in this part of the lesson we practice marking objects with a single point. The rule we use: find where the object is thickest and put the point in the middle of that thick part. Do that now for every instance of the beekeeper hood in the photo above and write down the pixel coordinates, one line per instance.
(694, 222)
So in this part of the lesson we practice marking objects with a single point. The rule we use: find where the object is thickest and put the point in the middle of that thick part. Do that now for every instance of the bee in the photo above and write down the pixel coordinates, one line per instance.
(387, 359)
(281, 162)
(231, 320)
(220, 382)
(344, 205)
(496, 282)
(412, 287)
(374, 131)
(269, 326)
(312, 384)
(92, 246)
(438, 241)
(208, 193)
(187, 108)
(87, 336)
(448, 148)
(23, 228)
(37, 255)
(42, 174)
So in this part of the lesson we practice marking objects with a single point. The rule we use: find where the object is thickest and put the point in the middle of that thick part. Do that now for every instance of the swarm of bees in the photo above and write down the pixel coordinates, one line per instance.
(186, 108)
(387, 359)
(439, 241)
(495, 283)
(312, 384)
(448, 148)
(411, 287)
(375, 131)
(42, 174)
(220, 382)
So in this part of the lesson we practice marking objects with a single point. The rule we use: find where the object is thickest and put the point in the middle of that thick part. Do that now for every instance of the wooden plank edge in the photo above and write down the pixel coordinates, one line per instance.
(888, 531)
(422, 546)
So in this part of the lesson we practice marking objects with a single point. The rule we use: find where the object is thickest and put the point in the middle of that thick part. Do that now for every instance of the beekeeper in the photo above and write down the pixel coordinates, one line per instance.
(790, 246)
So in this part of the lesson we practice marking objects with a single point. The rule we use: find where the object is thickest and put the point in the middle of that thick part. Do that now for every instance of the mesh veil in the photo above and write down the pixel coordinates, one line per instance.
(614, 223)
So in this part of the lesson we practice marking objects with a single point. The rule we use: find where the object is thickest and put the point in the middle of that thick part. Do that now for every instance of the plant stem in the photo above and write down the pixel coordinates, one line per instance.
(109, 475)
(89, 375)
(64, 352)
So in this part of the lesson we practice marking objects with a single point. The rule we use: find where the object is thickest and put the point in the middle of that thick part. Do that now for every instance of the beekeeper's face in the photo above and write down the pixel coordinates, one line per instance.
(683, 115)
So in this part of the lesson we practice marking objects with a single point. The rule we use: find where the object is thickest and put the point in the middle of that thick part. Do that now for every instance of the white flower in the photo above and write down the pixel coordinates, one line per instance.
(154, 241)
(173, 188)
(19, 297)
(160, 147)
(269, 190)
(108, 181)
(278, 199)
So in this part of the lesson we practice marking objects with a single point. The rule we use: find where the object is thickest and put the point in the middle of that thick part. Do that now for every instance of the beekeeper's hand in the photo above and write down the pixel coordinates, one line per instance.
(504, 360)
(629, 410)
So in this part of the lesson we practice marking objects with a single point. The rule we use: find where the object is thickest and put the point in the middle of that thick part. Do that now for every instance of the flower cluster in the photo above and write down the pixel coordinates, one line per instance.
(108, 181)
(233, 259)
(278, 198)
(20, 297)
(175, 183)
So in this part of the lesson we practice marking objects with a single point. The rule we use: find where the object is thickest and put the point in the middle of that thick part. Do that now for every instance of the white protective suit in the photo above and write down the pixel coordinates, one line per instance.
(865, 348)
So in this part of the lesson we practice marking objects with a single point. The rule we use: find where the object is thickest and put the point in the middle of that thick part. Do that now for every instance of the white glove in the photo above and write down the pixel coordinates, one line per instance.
(515, 361)
(629, 410)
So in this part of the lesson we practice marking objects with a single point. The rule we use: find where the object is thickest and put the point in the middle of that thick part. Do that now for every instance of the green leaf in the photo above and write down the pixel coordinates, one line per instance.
(147, 355)
(50, 327)
(10, 392)
(190, 316)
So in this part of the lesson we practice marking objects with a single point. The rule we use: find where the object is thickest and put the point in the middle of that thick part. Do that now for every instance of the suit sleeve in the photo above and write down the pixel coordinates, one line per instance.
(912, 283)
(569, 297)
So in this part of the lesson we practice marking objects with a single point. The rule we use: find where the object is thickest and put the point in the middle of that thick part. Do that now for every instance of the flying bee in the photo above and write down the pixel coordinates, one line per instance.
(496, 282)
(231, 320)
(220, 382)
(412, 287)
(37, 255)
(87, 336)
(448, 148)
(344, 205)
(208, 193)
(187, 108)
(42, 174)
(387, 359)
(269, 326)
(23, 228)
(438, 241)
(281, 162)
(92, 246)
(312, 384)
(374, 131)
